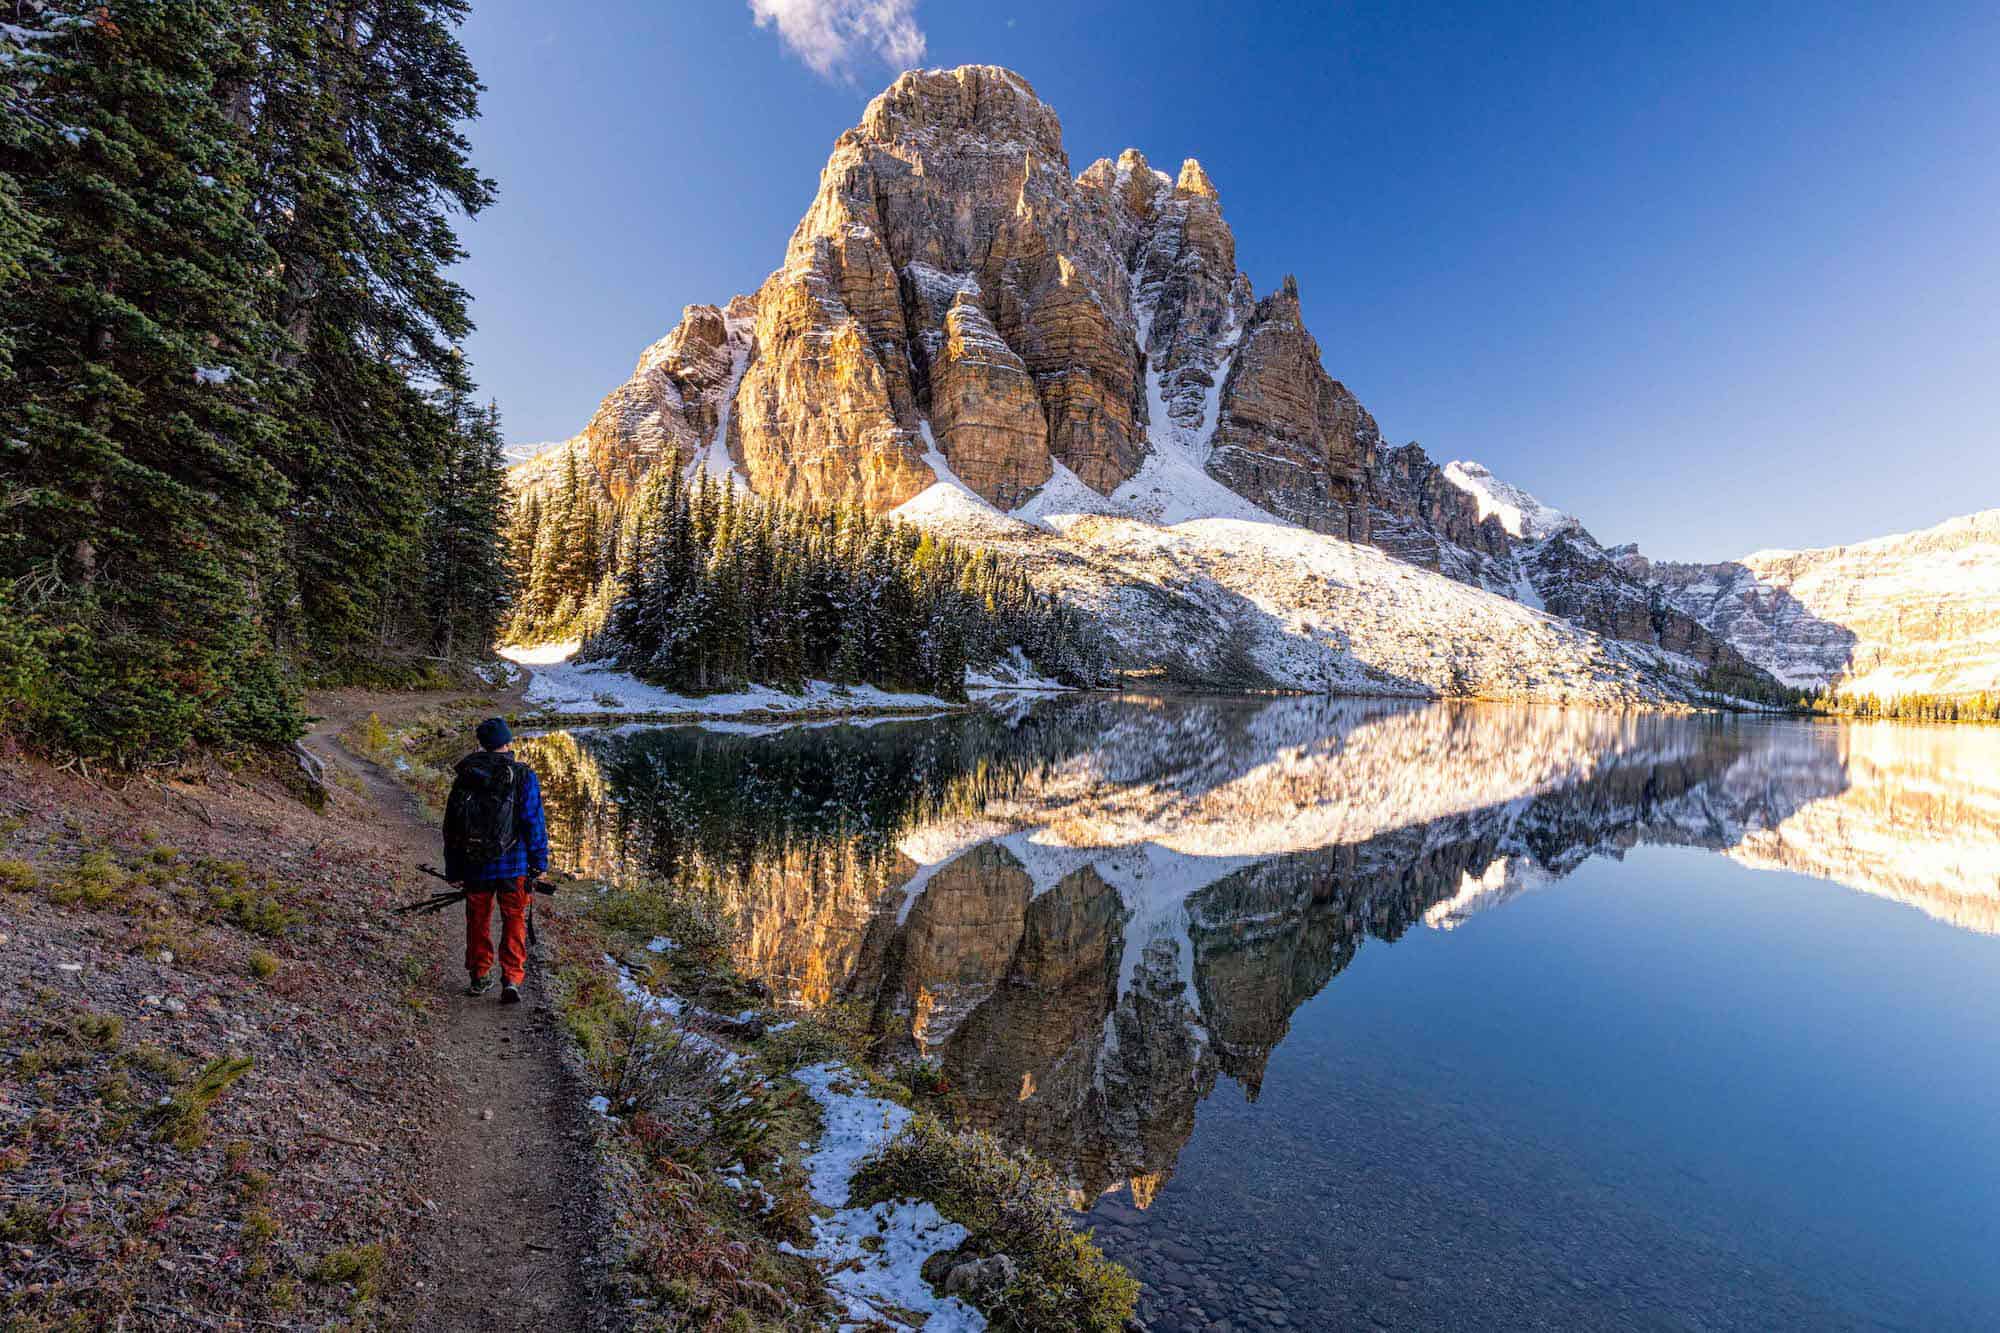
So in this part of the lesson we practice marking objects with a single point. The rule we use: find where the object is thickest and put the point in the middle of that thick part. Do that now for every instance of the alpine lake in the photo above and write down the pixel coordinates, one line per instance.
(1344, 1014)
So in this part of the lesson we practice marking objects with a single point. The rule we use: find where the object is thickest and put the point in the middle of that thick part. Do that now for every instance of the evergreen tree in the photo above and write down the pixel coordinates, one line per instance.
(352, 114)
(223, 244)
(467, 579)
(145, 393)
(727, 587)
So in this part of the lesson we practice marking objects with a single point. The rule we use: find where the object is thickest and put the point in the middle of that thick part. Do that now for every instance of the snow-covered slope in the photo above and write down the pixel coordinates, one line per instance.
(1249, 600)
(1914, 613)
(516, 454)
(1198, 585)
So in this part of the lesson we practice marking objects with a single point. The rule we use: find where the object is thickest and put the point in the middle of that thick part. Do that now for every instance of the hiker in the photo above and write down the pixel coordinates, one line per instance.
(496, 844)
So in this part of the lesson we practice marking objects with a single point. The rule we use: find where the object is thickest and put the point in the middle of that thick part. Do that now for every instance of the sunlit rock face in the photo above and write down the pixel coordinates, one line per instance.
(1291, 437)
(1917, 613)
(674, 406)
(966, 335)
(1090, 910)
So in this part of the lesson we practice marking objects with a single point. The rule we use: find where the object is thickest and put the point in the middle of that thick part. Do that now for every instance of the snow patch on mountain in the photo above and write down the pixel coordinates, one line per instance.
(1917, 612)
(516, 454)
(714, 459)
(1520, 513)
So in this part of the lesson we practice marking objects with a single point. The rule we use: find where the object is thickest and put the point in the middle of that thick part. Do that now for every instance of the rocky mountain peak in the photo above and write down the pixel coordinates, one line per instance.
(1194, 181)
(956, 310)
(973, 102)
(1520, 513)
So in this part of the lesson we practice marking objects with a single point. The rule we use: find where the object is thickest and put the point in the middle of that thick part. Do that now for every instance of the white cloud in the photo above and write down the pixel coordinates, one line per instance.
(832, 36)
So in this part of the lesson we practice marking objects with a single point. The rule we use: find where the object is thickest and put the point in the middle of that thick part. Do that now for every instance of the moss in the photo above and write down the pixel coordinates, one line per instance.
(1011, 1205)
(260, 1228)
(183, 1120)
(93, 881)
(359, 1266)
(25, 1223)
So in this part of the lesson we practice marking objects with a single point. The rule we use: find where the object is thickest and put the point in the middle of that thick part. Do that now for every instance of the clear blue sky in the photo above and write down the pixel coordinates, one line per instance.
(1712, 278)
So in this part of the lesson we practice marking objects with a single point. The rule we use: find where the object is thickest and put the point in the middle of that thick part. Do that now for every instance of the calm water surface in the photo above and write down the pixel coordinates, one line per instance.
(1355, 1016)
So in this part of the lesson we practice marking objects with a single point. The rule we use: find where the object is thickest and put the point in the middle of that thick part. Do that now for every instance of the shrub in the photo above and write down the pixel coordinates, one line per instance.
(101, 1030)
(17, 876)
(1011, 1205)
(263, 966)
(694, 919)
(833, 1032)
(256, 913)
(371, 737)
(260, 1228)
(653, 1066)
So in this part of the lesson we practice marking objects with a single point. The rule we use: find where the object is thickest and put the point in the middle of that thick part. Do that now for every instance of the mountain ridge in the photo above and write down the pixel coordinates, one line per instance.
(966, 336)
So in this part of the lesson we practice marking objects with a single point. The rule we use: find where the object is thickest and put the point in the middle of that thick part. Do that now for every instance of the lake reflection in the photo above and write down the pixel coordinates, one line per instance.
(1105, 917)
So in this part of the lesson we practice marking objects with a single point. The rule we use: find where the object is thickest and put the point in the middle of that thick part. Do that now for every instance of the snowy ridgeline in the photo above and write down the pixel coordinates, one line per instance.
(560, 684)
(1188, 576)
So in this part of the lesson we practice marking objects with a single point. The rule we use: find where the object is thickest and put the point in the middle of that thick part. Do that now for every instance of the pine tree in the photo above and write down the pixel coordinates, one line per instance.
(352, 113)
(146, 390)
(727, 587)
(467, 579)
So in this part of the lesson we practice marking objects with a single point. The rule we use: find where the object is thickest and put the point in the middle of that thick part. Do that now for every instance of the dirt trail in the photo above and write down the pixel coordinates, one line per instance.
(504, 1249)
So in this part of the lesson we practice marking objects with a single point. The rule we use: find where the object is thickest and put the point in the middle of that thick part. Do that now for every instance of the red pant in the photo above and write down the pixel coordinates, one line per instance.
(513, 930)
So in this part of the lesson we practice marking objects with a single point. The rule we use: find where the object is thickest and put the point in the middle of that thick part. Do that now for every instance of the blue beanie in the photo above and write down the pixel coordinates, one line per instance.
(494, 734)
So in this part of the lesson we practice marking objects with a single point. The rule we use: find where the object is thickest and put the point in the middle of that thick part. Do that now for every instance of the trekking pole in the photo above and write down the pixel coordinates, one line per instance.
(437, 902)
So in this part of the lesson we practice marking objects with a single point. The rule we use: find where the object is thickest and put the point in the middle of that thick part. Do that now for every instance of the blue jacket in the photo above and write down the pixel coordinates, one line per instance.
(530, 853)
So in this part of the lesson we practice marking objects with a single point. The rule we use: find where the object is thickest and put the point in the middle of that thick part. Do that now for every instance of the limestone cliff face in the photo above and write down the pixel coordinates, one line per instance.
(675, 405)
(953, 285)
(984, 408)
(1290, 436)
(958, 181)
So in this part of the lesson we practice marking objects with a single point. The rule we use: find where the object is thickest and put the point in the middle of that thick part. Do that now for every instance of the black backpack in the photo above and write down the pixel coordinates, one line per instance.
(479, 813)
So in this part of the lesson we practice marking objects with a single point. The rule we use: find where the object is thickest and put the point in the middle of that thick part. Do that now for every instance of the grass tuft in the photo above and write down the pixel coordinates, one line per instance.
(183, 1121)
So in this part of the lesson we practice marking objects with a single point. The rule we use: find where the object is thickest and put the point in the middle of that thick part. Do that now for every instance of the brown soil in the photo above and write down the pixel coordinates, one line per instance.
(503, 1252)
(391, 1153)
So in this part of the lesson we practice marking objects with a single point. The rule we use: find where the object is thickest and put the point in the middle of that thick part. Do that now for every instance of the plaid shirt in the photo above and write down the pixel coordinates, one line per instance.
(530, 852)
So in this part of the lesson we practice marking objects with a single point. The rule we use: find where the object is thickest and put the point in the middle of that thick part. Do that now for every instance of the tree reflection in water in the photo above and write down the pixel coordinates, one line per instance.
(1088, 909)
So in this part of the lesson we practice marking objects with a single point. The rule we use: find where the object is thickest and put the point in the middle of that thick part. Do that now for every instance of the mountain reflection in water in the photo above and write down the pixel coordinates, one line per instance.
(1087, 909)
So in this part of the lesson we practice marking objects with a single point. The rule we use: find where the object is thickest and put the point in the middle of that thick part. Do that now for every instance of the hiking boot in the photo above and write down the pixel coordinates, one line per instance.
(480, 984)
(510, 994)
